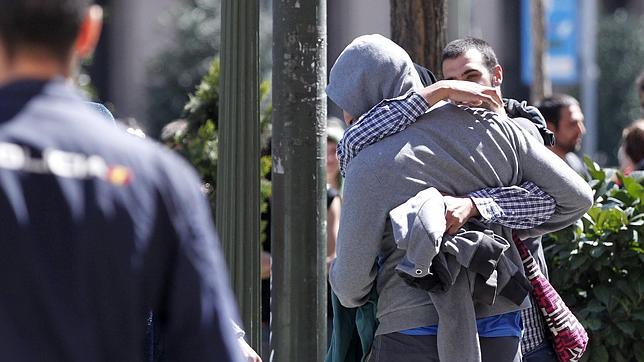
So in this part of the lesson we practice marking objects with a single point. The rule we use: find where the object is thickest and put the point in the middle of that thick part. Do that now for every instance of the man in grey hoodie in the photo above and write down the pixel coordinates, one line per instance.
(472, 60)
(467, 150)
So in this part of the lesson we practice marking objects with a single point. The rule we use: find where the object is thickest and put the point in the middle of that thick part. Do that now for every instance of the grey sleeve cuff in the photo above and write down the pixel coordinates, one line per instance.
(488, 208)
(239, 332)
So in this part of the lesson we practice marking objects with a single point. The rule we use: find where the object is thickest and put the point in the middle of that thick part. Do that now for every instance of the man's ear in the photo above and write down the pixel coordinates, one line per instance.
(497, 76)
(551, 126)
(89, 32)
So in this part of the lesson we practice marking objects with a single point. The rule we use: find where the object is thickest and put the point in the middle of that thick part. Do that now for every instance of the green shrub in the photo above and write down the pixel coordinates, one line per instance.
(596, 266)
(200, 141)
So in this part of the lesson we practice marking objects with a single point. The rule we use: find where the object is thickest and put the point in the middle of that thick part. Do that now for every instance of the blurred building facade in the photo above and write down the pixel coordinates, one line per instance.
(134, 35)
(496, 21)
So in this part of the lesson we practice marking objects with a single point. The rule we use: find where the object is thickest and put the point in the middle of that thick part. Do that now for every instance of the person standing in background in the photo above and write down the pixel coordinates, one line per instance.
(333, 185)
(565, 119)
(633, 146)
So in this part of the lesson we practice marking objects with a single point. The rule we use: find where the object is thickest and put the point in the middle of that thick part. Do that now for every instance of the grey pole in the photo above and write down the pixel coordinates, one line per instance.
(541, 86)
(237, 209)
(589, 74)
(298, 295)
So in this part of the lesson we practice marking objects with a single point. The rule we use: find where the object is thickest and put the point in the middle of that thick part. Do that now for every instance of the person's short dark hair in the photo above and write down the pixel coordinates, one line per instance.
(633, 138)
(50, 25)
(550, 107)
(458, 47)
(426, 76)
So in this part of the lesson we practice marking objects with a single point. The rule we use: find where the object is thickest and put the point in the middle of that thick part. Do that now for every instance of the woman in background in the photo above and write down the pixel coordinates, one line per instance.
(333, 185)
(633, 147)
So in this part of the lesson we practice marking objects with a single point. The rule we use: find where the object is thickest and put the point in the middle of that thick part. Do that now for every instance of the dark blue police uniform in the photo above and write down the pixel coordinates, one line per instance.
(97, 228)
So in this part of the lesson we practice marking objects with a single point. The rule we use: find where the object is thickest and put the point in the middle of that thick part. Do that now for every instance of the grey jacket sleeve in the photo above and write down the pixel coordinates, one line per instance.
(359, 239)
(572, 194)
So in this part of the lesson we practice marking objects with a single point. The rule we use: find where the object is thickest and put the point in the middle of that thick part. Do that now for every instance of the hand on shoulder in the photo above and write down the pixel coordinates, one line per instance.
(464, 93)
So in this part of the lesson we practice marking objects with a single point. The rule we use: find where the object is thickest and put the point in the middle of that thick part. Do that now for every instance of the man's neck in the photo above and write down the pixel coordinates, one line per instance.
(559, 152)
(33, 65)
(498, 91)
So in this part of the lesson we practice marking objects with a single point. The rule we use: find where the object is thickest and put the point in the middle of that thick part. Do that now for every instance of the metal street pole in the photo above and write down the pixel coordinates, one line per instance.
(589, 74)
(541, 86)
(298, 295)
(237, 209)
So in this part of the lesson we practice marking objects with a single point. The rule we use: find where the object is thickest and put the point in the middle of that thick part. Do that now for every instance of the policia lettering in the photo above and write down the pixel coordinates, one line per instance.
(63, 164)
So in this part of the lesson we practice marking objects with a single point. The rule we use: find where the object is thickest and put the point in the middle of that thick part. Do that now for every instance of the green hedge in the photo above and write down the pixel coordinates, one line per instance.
(596, 266)
(199, 144)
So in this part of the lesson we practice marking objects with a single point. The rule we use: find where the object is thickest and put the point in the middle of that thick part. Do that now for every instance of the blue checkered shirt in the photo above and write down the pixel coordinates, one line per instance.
(516, 207)
(388, 117)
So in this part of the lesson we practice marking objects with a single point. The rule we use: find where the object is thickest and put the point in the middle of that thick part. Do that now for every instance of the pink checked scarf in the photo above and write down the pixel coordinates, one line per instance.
(570, 337)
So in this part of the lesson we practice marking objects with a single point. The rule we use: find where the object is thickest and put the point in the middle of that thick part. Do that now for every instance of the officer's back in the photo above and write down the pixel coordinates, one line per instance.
(97, 227)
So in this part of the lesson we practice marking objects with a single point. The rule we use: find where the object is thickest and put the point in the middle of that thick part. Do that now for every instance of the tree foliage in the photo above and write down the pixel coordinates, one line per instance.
(596, 266)
(200, 141)
(179, 67)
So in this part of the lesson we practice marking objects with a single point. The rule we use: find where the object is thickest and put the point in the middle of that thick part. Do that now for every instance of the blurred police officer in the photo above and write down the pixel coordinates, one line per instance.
(97, 227)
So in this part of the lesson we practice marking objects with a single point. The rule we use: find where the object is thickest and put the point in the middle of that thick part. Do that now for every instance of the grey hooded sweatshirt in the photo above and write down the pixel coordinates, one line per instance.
(456, 150)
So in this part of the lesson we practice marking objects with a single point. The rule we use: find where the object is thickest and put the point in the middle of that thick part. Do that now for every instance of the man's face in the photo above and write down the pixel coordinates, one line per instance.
(470, 67)
(571, 128)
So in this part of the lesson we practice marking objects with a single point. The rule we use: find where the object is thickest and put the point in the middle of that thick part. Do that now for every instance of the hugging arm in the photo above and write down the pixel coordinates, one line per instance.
(573, 195)
(364, 214)
(388, 117)
(517, 207)
(391, 116)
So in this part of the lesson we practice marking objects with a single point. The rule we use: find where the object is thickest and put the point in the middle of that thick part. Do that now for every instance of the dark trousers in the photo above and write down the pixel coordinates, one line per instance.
(398, 347)
(543, 353)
